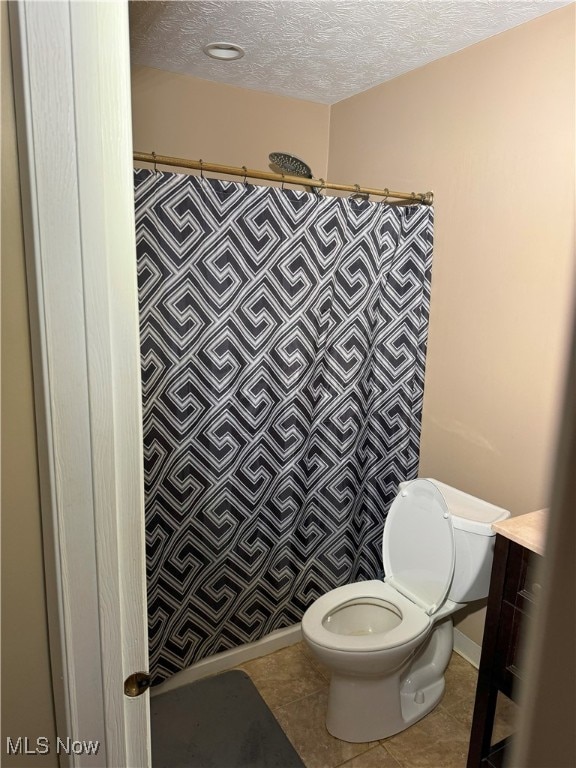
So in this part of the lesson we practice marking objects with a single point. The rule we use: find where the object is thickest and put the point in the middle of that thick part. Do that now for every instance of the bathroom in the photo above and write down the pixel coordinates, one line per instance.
(469, 122)
(489, 129)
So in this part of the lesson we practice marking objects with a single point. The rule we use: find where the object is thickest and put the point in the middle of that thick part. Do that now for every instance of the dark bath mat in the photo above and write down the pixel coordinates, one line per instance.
(218, 722)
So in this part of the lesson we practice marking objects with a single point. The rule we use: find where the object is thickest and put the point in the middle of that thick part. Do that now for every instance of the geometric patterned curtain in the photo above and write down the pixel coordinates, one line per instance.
(283, 343)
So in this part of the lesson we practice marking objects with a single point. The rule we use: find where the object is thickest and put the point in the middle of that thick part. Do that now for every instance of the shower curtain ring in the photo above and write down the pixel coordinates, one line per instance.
(245, 173)
(201, 170)
(323, 185)
(155, 169)
(386, 195)
(282, 182)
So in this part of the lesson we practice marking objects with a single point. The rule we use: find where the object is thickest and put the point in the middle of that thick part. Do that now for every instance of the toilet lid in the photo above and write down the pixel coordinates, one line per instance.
(418, 545)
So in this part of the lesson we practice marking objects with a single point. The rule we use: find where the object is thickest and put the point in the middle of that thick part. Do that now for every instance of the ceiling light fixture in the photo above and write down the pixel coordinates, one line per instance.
(223, 51)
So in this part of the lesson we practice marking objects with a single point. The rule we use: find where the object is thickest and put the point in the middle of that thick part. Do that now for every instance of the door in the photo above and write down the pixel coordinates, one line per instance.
(72, 85)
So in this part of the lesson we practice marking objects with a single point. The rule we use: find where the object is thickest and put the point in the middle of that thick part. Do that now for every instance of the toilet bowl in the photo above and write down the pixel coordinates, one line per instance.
(388, 643)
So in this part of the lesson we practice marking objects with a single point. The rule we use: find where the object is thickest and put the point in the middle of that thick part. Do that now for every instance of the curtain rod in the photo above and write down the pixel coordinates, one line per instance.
(230, 170)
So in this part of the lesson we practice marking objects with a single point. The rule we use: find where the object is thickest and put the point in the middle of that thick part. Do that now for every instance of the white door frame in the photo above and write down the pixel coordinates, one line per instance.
(72, 85)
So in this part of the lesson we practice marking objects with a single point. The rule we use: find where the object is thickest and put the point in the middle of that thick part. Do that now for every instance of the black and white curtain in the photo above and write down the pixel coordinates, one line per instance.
(283, 340)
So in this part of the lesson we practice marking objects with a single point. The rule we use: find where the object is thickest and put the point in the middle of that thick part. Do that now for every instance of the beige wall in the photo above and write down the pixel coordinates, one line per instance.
(186, 117)
(27, 708)
(491, 130)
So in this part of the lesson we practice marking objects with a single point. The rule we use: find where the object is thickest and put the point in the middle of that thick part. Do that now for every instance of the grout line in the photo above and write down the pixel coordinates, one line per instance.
(301, 698)
(391, 756)
(366, 751)
(455, 719)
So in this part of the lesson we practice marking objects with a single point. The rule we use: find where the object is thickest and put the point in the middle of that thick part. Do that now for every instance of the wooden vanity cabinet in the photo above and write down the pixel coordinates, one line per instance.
(511, 598)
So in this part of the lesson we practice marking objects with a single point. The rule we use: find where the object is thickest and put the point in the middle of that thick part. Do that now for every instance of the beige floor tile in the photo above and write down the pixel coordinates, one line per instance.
(295, 685)
(505, 720)
(458, 699)
(284, 676)
(303, 722)
(322, 668)
(377, 757)
(461, 675)
(436, 741)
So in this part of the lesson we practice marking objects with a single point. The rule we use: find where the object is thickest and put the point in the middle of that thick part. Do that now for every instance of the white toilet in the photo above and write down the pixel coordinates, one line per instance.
(388, 643)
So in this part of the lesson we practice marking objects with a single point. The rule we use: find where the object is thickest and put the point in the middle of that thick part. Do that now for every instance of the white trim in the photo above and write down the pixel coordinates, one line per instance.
(220, 662)
(72, 87)
(467, 648)
(275, 641)
(21, 75)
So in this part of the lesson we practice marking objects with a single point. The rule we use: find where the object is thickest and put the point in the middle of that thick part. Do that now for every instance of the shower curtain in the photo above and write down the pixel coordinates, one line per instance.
(283, 343)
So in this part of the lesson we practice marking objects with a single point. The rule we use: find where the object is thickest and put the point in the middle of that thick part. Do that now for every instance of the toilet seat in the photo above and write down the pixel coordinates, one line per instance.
(414, 621)
(418, 547)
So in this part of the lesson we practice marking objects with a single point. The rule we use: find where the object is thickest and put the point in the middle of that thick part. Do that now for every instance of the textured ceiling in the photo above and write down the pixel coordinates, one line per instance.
(320, 50)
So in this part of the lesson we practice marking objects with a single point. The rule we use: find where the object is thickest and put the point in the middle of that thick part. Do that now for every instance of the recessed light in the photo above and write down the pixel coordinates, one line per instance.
(223, 51)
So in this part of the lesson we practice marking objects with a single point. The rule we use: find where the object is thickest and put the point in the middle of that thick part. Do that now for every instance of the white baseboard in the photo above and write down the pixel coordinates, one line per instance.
(220, 662)
(467, 648)
(282, 638)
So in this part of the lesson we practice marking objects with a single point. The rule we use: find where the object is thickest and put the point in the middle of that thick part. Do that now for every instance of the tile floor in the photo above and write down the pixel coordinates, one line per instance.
(295, 688)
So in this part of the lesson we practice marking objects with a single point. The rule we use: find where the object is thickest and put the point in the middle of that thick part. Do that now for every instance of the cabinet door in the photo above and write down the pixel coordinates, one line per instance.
(519, 598)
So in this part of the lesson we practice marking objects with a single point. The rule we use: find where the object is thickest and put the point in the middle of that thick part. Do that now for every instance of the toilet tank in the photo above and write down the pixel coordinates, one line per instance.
(474, 539)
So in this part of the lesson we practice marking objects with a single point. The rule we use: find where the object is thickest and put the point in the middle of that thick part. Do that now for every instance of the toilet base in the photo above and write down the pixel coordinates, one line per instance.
(362, 709)
(416, 706)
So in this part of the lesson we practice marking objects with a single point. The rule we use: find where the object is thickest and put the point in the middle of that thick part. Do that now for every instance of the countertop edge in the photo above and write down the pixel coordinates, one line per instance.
(528, 530)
